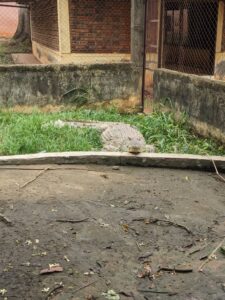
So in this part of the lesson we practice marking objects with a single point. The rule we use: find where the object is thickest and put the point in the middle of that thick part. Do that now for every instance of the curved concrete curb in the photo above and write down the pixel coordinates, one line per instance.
(179, 161)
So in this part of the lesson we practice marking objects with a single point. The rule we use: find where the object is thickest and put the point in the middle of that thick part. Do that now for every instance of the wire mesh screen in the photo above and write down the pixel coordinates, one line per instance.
(189, 35)
(65, 32)
(13, 31)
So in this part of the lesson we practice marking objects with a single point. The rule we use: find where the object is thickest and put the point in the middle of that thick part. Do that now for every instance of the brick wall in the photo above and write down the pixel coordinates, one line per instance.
(44, 25)
(100, 26)
(223, 39)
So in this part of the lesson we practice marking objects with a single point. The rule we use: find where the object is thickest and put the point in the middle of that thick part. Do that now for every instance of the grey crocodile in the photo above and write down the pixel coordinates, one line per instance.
(115, 136)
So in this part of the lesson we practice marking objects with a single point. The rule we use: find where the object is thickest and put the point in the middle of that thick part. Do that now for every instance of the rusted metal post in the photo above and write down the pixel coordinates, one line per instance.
(138, 39)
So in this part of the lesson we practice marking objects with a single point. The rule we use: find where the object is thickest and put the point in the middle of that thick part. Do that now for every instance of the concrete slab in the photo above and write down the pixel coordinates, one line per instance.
(107, 228)
(25, 59)
(158, 160)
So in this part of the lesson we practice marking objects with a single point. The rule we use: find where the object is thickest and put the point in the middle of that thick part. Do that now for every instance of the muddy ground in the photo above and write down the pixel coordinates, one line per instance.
(119, 243)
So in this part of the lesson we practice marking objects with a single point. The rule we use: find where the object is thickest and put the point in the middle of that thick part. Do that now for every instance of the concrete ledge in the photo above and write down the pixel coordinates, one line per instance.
(177, 161)
(202, 99)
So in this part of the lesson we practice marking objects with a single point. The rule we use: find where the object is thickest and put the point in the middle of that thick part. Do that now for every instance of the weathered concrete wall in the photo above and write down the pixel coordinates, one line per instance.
(202, 99)
(42, 85)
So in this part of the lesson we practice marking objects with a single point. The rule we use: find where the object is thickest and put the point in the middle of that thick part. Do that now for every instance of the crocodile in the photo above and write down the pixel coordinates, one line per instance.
(115, 136)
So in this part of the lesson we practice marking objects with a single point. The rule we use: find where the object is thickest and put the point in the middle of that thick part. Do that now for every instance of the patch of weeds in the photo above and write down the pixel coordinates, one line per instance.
(76, 96)
(21, 134)
(16, 46)
(79, 96)
(163, 129)
(5, 58)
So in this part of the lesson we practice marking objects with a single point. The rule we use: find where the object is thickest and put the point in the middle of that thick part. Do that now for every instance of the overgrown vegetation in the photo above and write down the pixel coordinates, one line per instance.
(4, 57)
(9, 47)
(27, 133)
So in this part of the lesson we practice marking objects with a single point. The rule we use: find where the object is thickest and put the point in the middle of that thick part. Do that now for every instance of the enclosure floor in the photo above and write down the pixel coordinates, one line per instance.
(118, 239)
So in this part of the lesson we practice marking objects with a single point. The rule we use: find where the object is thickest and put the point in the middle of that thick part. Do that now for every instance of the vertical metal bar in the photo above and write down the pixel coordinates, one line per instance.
(144, 57)
(161, 35)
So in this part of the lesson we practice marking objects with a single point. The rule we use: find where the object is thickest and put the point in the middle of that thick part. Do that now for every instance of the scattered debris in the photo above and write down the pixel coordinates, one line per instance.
(211, 256)
(111, 295)
(3, 292)
(5, 220)
(57, 288)
(72, 221)
(125, 227)
(66, 258)
(44, 253)
(147, 272)
(55, 268)
(28, 242)
(195, 250)
(104, 176)
(32, 180)
(89, 273)
(116, 168)
(128, 295)
(45, 290)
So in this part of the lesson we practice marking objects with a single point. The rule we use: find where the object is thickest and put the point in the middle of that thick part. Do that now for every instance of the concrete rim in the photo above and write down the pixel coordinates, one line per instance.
(158, 160)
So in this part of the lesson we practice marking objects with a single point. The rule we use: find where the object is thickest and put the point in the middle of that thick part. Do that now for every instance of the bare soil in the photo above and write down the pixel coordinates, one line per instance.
(120, 243)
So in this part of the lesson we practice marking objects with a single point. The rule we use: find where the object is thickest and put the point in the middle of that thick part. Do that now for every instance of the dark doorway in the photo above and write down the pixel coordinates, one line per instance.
(189, 35)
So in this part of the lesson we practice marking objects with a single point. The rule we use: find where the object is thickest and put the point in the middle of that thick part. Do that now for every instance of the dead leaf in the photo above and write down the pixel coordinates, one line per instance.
(55, 268)
(3, 292)
(125, 227)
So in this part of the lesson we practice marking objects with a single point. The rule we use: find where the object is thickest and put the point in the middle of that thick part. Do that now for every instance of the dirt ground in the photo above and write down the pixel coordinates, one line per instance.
(124, 230)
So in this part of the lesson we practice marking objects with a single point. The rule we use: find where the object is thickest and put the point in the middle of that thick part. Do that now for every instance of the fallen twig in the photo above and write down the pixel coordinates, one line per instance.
(197, 250)
(175, 269)
(200, 269)
(54, 289)
(5, 220)
(138, 246)
(158, 292)
(72, 221)
(156, 220)
(217, 172)
(32, 180)
(84, 287)
(144, 256)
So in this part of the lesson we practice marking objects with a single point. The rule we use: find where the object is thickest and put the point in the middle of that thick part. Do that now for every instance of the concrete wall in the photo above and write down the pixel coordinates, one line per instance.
(44, 23)
(100, 26)
(202, 99)
(42, 85)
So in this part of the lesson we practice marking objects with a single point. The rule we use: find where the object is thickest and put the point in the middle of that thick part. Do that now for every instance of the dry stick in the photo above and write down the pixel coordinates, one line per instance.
(217, 172)
(5, 220)
(173, 224)
(200, 269)
(84, 286)
(59, 286)
(32, 180)
(152, 221)
(72, 221)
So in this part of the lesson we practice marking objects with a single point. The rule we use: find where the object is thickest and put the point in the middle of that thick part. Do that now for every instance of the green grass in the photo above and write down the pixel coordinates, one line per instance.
(26, 133)
(4, 57)
(8, 47)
